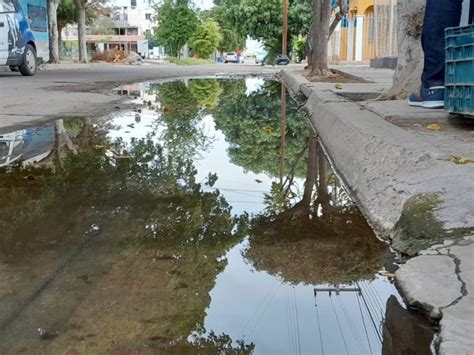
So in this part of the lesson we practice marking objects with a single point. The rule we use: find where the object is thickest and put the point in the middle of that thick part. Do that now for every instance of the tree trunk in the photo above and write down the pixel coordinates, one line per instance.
(60, 40)
(410, 54)
(53, 31)
(321, 17)
(81, 21)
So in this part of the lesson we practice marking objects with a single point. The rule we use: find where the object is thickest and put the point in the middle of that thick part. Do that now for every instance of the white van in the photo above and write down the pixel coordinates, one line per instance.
(23, 34)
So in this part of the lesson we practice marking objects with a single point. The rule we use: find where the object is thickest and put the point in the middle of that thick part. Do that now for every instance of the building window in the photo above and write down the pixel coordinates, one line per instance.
(148, 17)
(133, 3)
(133, 31)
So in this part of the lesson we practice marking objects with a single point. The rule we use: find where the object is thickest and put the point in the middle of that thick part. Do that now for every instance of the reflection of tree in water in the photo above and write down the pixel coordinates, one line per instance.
(321, 239)
(182, 108)
(220, 345)
(143, 204)
(251, 125)
(207, 92)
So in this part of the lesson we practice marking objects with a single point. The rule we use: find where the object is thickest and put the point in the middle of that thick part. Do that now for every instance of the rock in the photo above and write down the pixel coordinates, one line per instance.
(133, 59)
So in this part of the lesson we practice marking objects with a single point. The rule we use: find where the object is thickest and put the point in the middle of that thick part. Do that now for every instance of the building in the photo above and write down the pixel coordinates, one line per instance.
(133, 17)
(131, 21)
(368, 31)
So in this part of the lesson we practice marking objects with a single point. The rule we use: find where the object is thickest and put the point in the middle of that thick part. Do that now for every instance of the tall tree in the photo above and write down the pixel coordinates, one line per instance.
(67, 14)
(206, 39)
(320, 33)
(410, 64)
(262, 19)
(81, 23)
(53, 31)
(176, 23)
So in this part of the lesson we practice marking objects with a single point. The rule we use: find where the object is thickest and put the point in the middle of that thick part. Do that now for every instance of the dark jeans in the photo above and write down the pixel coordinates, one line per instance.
(439, 15)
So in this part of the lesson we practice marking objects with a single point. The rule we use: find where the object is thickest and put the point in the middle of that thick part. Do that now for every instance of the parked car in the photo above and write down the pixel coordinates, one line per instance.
(260, 57)
(232, 57)
(23, 34)
(282, 59)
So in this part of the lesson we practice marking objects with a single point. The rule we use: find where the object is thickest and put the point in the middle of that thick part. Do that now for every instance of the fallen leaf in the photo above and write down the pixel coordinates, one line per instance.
(387, 274)
(434, 127)
(338, 86)
(462, 160)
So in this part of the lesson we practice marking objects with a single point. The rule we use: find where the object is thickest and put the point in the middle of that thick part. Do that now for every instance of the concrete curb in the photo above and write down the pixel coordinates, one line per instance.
(384, 165)
(388, 171)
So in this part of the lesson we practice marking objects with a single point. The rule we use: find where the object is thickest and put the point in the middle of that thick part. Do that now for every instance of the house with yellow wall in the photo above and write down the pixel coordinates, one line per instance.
(368, 31)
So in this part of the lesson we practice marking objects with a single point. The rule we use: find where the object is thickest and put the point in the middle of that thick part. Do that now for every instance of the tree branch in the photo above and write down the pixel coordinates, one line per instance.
(339, 16)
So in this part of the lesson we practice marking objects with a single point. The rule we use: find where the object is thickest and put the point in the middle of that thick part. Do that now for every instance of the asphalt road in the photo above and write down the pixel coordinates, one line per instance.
(88, 92)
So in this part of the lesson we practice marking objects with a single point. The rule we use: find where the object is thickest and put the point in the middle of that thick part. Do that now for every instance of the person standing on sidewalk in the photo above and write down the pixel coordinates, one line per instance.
(439, 15)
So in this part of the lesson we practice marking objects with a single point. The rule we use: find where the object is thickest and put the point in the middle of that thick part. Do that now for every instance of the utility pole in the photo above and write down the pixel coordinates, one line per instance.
(282, 134)
(284, 44)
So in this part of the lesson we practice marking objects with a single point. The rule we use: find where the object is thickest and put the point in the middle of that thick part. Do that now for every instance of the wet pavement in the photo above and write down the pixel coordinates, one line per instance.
(190, 225)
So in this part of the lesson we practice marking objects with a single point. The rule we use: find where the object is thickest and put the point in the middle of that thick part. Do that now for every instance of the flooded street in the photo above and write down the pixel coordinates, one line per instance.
(190, 225)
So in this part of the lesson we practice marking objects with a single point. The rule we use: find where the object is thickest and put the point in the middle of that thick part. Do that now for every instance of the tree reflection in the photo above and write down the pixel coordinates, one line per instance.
(322, 238)
(135, 202)
(252, 128)
(182, 106)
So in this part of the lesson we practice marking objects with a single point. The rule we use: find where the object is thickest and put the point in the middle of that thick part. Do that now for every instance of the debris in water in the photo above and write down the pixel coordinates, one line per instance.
(45, 335)
(434, 127)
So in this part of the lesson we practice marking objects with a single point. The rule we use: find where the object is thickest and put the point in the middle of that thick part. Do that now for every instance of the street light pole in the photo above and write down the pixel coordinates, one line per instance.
(284, 44)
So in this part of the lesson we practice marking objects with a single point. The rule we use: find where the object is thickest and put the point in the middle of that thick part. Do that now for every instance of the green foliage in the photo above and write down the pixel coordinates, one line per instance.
(151, 37)
(206, 38)
(262, 19)
(232, 39)
(207, 92)
(190, 61)
(299, 47)
(252, 128)
(177, 22)
(68, 13)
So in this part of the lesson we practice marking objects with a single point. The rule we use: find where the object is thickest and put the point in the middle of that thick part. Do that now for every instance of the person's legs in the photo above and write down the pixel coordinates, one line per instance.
(439, 15)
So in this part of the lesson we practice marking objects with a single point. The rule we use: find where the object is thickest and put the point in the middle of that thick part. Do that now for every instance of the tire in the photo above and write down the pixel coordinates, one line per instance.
(29, 63)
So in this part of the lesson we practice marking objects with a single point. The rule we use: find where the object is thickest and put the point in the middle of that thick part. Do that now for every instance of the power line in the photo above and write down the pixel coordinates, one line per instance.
(339, 324)
(353, 328)
(297, 320)
(365, 326)
(379, 337)
(319, 327)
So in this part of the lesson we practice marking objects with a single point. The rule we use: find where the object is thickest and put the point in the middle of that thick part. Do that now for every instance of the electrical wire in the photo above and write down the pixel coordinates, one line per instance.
(340, 327)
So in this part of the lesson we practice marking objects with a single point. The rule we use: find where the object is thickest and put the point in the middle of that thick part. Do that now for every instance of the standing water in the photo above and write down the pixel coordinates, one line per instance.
(190, 224)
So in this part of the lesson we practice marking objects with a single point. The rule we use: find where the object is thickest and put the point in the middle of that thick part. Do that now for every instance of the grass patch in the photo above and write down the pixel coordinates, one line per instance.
(419, 229)
(191, 61)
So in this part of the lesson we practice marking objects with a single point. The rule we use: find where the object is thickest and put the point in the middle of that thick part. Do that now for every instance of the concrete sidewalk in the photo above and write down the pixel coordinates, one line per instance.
(400, 164)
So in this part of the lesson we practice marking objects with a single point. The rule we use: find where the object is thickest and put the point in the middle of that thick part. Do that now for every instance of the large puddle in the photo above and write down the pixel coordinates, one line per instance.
(190, 225)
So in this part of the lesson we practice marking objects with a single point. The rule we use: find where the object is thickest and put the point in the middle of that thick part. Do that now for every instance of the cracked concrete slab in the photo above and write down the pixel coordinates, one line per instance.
(429, 282)
(457, 328)
(442, 280)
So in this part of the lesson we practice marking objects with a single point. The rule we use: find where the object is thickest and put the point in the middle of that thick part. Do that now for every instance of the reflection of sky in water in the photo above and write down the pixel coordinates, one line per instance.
(259, 308)
(240, 188)
(255, 306)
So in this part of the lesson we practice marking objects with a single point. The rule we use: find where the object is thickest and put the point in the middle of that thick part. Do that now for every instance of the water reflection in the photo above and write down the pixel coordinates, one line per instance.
(186, 225)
